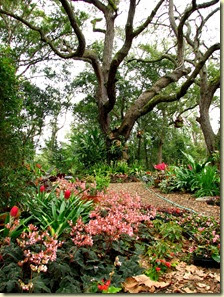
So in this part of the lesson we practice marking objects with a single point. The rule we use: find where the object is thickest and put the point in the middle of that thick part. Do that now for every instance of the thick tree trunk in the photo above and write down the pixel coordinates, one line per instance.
(207, 90)
(207, 131)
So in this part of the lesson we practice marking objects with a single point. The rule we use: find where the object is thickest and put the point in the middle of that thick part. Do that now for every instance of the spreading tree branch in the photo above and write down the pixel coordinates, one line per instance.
(44, 38)
(150, 98)
(165, 56)
(71, 16)
(96, 3)
(141, 28)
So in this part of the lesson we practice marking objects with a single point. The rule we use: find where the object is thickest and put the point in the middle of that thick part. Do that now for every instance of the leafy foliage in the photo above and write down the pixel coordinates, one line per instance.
(13, 150)
(202, 179)
(53, 212)
(88, 147)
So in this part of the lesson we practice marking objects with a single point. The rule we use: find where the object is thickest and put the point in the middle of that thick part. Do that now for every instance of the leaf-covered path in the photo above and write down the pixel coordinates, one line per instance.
(148, 197)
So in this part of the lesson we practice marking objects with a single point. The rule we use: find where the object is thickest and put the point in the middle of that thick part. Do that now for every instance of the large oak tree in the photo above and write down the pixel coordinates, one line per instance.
(57, 29)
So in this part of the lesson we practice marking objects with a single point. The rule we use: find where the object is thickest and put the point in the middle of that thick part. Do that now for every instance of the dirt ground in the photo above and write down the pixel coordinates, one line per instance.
(187, 278)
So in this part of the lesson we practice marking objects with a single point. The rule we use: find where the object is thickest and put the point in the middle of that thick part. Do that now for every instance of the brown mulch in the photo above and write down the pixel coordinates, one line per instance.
(186, 278)
(148, 197)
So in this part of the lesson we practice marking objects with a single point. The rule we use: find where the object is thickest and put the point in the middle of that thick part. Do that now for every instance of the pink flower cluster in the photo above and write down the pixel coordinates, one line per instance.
(215, 236)
(38, 260)
(161, 166)
(122, 216)
(12, 225)
(79, 234)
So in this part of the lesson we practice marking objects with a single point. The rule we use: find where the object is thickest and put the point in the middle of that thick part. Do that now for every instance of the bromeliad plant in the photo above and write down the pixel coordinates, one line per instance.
(54, 212)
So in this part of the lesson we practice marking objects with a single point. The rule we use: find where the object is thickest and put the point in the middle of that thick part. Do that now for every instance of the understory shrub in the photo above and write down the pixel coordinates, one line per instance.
(208, 182)
(200, 179)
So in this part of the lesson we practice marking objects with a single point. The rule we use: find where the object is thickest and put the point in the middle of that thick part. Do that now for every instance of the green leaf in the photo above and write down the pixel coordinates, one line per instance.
(54, 213)
(216, 257)
(113, 290)
(39, 285)
(62, 208)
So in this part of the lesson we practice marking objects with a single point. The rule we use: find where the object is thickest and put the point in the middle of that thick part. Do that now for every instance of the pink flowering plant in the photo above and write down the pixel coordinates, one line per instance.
(114, 216)
(113, 230)
(28, 258)
(161, 166)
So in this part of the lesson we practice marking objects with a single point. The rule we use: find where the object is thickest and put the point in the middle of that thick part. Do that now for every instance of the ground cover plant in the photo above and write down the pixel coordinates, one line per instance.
(112, 245)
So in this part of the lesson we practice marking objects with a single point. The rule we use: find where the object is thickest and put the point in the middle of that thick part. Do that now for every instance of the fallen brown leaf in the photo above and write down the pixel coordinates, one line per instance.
(201, 285)
(187, 290)
(131, 286)
(139, 283)
(201, 273)
(181, 266)
(217, 277)
(190, 276)
(143, 279)
(191, 268)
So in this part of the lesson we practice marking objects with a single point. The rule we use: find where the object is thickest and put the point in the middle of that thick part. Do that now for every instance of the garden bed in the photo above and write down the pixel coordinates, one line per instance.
(119, 244)
(186, 278)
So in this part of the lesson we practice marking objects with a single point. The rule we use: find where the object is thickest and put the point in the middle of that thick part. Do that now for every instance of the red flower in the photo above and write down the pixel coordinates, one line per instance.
(168, 264)
(67, 194)
(42, 188)
(158, 268)
(38, 165)
(189, 167)
(14, 212)
(104, 286)
(161, 166)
